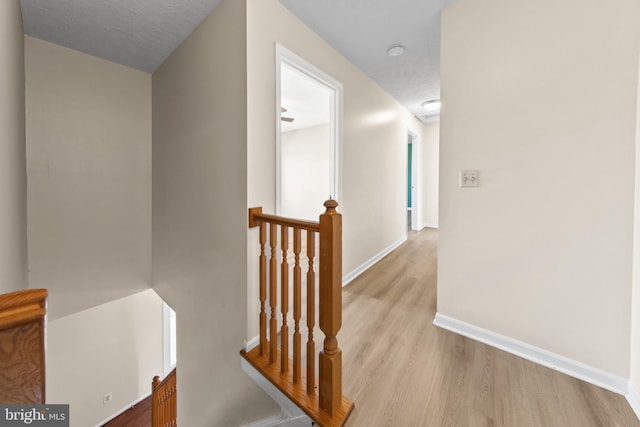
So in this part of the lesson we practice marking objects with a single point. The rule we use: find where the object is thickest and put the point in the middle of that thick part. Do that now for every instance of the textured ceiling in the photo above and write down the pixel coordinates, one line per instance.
(137, 33)
(363, 31)
(143, 33)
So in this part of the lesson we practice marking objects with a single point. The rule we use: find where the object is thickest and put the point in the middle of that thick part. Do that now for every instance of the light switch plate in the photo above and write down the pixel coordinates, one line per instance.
(469, 178)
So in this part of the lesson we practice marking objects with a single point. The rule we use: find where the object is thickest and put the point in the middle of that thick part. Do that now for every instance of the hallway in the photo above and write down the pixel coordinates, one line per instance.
(402, 371)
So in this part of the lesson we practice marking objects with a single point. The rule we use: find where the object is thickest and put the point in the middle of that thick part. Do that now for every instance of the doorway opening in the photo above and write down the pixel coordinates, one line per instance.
(170, 340)
(308, 137)
(413, 182)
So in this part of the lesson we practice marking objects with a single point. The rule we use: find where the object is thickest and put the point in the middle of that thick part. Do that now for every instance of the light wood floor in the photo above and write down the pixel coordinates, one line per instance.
(400, 370)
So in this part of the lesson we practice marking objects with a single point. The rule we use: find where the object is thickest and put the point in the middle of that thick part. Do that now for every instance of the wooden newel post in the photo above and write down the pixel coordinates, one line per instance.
(330, 358)
(155, 401)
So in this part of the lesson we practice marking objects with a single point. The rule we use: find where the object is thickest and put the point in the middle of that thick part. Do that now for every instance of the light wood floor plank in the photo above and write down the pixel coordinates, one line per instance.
(400, 370)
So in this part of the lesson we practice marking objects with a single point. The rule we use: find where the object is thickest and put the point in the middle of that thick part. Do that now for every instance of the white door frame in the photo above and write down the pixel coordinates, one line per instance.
(416, 177)
(284, 55)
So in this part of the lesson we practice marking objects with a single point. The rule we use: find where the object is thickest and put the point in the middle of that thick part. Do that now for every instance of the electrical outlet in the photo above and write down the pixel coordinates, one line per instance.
(107, 398)
(469, 178)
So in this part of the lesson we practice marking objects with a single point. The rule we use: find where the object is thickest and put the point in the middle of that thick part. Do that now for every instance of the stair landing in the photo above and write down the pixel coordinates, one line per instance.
(297, 393)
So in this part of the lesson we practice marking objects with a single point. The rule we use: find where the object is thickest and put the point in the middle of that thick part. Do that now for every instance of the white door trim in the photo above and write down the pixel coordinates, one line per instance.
(284, 55)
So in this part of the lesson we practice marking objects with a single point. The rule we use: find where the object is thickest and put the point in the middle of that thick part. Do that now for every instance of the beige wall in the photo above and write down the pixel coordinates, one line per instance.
(635, 294)
(305, 162)
(430, 163)
(13, 175)
(544, 105)
(115, 347)
(200, 217)
(374, 139)
(89, 177)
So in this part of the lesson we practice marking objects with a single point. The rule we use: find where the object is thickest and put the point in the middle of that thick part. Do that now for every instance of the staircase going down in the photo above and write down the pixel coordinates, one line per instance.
(280, 355)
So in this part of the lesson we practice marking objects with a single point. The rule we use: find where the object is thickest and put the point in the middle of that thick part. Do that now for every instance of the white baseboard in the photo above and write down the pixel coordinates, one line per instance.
(633, 397)
(252, 343)
(367, 264)
(126, 408)
(546, 358)
(430, 225)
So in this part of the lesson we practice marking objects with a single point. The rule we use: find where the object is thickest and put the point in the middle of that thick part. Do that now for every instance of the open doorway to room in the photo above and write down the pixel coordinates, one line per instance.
(308, 139)
(413, 182)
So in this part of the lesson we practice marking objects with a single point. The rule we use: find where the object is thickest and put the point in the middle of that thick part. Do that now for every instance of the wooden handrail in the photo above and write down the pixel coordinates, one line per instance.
(164, 401)
(256, 216)
(320, 398)
(22, 361)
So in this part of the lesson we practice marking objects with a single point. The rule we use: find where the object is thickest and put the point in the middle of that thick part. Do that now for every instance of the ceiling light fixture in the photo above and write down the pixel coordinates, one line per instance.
(431, 107)
(396, 50)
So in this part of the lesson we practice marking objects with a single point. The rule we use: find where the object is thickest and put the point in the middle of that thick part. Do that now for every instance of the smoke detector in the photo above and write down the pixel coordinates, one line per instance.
(396, 50)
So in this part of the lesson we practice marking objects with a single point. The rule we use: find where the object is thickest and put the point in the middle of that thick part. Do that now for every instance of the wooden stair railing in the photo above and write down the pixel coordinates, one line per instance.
(164, 401)
(321, 399)
(22, 346)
